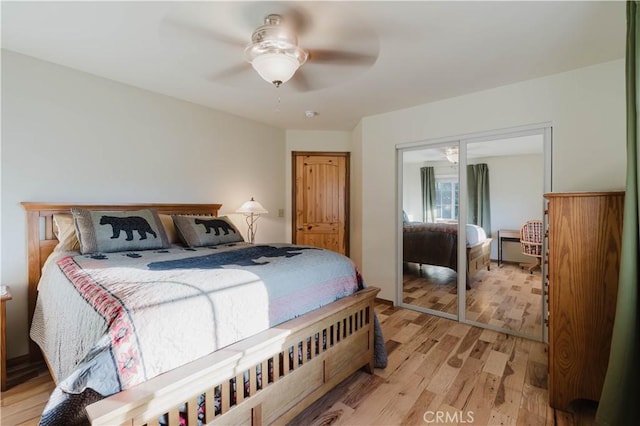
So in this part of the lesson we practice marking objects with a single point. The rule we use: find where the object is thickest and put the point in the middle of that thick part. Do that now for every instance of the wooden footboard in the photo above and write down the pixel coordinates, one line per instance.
(288, 367)
(478, 257)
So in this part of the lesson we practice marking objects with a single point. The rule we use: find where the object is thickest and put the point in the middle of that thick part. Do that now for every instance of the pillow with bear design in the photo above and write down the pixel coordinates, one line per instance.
(200, 231)
(110, 231)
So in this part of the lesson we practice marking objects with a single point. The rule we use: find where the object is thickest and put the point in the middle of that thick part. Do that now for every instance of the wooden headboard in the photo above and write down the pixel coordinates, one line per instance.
(41, 246)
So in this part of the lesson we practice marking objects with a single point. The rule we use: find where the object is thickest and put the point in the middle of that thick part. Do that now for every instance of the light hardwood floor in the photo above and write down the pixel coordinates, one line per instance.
(23, 404)
(437, 367)
(507, 297)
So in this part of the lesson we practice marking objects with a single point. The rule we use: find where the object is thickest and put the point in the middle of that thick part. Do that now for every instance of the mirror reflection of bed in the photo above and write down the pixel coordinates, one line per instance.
(430, 228)
(437, 244)
(505, 295)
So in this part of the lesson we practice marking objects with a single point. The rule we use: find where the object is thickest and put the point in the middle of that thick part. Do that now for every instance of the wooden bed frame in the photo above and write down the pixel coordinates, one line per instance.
(478, 257)
(427, 244)
(327, 345)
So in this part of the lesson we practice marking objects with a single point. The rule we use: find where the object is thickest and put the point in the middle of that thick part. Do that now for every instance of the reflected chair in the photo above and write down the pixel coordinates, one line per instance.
(531, 242)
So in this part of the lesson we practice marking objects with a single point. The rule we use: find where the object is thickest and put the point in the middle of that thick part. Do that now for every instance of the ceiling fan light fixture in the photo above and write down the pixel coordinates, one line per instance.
(275, 68)
(274, 51)
(452, 154)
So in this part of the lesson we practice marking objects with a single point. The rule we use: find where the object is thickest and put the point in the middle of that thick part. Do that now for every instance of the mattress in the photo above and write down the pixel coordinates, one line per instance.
(475, 235)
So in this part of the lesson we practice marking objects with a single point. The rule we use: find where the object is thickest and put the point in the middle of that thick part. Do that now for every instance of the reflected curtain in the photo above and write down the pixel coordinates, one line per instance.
(478, 190)
(618, 404)
(428, 179)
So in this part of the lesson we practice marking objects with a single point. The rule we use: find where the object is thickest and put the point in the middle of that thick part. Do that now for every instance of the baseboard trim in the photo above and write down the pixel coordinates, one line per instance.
(22, 368)
(384, 301)
(22, 359)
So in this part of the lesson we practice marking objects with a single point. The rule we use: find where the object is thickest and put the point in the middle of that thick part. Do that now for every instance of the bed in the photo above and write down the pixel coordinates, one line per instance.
(233, 371)
(437, 244)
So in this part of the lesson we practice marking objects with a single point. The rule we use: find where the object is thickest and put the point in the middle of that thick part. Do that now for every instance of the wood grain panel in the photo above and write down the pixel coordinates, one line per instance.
(585, 231)
(321, 200)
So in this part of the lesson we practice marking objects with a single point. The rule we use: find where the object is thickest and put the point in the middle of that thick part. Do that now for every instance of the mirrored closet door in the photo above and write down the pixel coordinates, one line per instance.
(505, 186)
(430, 211)
(472, 221)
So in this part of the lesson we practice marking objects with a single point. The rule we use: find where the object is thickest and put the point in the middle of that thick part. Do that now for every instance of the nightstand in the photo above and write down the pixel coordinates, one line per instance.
(3, 346)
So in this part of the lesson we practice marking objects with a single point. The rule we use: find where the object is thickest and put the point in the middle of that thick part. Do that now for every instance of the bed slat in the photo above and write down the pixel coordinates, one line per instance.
(239, 388)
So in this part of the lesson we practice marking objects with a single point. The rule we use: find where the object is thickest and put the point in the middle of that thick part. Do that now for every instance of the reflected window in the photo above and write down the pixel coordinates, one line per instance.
(447, 199)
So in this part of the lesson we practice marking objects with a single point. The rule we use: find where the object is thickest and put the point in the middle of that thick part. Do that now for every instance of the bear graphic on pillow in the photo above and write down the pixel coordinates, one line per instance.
(128, 224)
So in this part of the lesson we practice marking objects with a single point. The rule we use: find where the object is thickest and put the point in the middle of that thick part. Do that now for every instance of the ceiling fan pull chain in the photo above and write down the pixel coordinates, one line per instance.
(278, 104)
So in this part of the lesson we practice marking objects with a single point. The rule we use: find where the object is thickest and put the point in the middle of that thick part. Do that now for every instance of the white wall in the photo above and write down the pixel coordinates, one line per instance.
(309, 140)
(586, 108)
(68, 136)
(412, 191)
(516, 186)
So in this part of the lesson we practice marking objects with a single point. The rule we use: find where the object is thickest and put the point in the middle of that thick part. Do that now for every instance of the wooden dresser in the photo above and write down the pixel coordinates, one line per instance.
(585, 231)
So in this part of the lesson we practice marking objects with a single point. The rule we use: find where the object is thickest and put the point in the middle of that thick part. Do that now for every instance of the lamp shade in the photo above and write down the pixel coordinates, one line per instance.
(252, 207)
(275, 67)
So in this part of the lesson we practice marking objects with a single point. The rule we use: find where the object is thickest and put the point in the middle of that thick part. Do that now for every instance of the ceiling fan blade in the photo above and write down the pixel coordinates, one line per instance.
(230, 72)
(340, 58)
(189, 29)
(297, 19)
(300, 82)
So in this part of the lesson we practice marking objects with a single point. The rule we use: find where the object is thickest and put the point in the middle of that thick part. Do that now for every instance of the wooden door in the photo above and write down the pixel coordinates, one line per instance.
(321, 200)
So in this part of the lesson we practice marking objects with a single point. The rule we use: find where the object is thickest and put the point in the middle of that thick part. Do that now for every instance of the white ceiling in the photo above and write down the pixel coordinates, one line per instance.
(521, 145)
(418, 52)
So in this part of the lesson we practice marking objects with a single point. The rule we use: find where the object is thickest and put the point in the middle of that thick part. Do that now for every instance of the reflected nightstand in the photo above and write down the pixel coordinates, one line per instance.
(506, 235)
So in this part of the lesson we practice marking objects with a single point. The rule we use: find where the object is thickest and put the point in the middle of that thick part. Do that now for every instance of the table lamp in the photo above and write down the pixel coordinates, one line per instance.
(252, 210)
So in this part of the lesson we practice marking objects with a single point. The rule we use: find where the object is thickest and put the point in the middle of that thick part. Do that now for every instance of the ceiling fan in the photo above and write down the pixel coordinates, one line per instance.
(274, 53)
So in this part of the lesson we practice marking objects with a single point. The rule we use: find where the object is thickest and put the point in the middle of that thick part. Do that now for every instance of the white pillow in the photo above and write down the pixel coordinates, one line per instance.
(475, 234)
(170, 229)
(65, 231)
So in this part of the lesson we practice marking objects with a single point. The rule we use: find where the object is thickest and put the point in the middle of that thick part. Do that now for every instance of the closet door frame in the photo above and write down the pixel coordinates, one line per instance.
(546, 131)
(400, 149)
